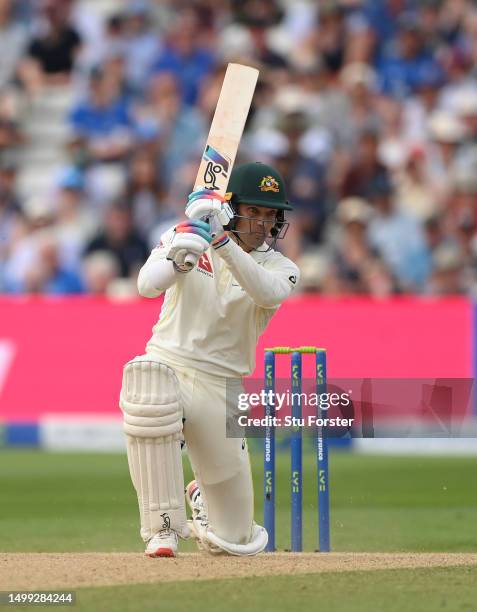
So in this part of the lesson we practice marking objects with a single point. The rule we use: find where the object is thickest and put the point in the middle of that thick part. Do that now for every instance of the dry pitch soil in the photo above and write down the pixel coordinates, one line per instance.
(72, 570)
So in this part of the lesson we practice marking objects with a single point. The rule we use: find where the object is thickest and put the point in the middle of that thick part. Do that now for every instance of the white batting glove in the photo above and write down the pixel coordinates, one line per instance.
(208, 204)
(190, 240)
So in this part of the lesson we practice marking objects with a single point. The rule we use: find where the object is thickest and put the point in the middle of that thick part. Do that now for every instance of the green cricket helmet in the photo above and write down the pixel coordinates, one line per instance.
(260, 185)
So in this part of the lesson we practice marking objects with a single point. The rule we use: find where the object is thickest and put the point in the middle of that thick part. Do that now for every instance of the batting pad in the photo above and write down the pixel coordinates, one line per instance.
(150, 402)
(256, 545)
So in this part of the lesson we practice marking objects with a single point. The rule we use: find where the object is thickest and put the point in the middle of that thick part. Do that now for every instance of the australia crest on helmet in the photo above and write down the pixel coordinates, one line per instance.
(269, 183)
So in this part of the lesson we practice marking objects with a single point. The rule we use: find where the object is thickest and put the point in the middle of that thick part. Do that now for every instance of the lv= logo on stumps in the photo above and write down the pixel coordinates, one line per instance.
(296, 451)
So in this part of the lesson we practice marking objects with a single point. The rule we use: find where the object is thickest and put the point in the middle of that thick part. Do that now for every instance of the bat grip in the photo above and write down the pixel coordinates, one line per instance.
(190, 261)
(215, 227)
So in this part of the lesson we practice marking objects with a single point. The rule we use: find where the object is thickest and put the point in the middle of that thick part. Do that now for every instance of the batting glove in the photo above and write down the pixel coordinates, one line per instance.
(190, 240)
(208, 204)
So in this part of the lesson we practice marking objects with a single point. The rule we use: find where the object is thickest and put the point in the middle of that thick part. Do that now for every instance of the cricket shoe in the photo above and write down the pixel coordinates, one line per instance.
(200, 521)
(162, 544)
(195, 503)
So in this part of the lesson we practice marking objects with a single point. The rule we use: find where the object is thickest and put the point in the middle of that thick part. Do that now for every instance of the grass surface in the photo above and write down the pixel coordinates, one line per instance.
(418, 590)
(81, 502)
(85, 502)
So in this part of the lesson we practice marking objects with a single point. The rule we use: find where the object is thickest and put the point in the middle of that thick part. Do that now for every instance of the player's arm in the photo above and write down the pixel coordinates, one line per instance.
(157, 274)
(268, 285)
(165, 265)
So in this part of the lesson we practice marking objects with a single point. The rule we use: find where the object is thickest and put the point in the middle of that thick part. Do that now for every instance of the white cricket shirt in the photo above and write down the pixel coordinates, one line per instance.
(212, 317)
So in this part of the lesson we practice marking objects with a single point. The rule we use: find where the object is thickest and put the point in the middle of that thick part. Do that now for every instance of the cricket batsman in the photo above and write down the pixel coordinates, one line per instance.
(204, 344)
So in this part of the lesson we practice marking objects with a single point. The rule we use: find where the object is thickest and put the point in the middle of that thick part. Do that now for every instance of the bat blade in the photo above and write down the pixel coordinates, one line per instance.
(227, 127)
(225, 132)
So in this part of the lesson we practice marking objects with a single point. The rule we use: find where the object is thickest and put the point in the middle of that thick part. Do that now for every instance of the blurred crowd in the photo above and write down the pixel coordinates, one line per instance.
(367, 107)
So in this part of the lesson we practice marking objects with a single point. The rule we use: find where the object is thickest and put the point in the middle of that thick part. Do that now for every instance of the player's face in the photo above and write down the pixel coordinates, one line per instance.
(254, 224)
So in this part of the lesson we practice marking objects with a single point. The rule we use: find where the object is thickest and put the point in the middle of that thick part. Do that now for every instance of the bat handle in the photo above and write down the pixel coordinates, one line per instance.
(215, 226)
(190, 261)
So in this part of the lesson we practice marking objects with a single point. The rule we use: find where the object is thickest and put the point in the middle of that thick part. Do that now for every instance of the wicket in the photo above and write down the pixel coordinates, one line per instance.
(296, 451)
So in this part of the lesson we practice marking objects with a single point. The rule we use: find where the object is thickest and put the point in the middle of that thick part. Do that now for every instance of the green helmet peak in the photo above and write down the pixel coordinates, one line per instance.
(259, 184)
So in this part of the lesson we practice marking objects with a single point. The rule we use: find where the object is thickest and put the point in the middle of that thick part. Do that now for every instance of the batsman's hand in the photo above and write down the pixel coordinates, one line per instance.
(190, 240)
(209, 205)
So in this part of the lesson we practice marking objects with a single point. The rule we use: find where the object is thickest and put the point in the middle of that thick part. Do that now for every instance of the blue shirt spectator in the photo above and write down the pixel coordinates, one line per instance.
(401, 71)
(187, 54)
(399, 239)
(141, 44)
(63, 282)
(400, 77)
(381, 16)
(179, 128)
(103, 120)
(190, 70)
(90, 120)
(48, 274)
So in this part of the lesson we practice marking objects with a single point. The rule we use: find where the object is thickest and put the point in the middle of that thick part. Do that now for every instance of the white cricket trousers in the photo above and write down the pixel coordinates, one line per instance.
(220, 464)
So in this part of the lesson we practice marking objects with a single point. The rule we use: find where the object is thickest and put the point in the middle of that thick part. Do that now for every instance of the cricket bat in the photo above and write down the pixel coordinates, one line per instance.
(225, 132)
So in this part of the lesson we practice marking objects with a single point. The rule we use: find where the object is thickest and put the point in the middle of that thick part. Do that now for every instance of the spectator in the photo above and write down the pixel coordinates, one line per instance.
(267, 12)
(422, 105)
(180, 129)
(331, 35)
(38, 216)
(414, 194)
(121, 240)
(360, 116)
(145, 194)
(114, 32)
(8, 179)
(448, 274)
(306, 186)
(35, 265)
(100, 270)
(185, 56)
(445, 133)
(48, 274)
(260, 51)
(382, 18)
(350, 252)
(10, 213)
(466, 111)
(373, 101)
(10, 136)
(434, 232)
(393, 144)
(378, 280)
(314, 268)
(75, 223)
(114, 65)
(13, 41)
(103, 119)
(401, 72)
(367, 169)
(460, 79)
(398, 238)
(141, 43)
(461, 206)
(53, 51)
